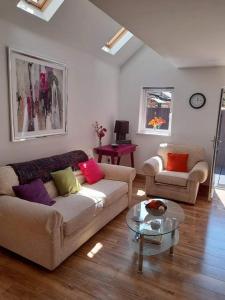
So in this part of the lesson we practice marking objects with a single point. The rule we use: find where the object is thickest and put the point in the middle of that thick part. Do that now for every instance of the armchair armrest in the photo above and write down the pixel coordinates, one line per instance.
(153, 166)
(199, 172)
(19, 214)
(115, 172)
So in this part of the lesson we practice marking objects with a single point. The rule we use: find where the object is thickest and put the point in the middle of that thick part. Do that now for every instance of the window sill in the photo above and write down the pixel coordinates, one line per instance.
(155, 132)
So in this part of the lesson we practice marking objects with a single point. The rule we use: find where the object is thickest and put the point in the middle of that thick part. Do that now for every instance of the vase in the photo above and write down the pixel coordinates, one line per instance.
(99, 143)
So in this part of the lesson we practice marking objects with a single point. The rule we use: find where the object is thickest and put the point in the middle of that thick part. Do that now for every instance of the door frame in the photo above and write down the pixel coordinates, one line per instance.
(215, 142)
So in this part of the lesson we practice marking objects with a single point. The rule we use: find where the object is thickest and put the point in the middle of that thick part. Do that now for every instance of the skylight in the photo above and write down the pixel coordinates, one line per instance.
(38, 3)
(44, 9)
(117, 41)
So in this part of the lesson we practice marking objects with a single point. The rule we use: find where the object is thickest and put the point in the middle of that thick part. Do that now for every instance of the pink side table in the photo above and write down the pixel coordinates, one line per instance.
(117, 152)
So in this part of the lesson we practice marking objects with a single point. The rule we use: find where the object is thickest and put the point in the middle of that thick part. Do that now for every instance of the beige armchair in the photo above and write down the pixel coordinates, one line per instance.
(180, 186)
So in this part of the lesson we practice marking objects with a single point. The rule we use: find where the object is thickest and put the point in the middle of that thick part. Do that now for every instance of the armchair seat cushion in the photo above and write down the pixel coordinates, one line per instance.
(171, 177)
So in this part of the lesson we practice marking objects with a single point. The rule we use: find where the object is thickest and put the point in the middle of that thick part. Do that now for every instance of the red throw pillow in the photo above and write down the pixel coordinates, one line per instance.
(177, 162)
(91, 171)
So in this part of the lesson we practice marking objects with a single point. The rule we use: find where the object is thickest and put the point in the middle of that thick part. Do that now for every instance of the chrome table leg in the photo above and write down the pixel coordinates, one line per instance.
(140, 254)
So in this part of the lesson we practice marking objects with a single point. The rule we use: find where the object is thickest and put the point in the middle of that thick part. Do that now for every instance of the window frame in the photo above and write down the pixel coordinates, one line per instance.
(143, 111)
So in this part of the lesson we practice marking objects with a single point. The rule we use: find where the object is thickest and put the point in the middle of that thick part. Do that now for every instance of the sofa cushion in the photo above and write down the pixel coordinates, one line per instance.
(34, 191)
(171, 177)
(8, 179)
(105, 191)
(51, 189)
(78, 209)
(80, 177)
(65, 181)
(91, 171)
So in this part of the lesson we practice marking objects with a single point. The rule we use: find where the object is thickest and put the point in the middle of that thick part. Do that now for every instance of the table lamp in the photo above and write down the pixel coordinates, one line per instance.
(121, 129)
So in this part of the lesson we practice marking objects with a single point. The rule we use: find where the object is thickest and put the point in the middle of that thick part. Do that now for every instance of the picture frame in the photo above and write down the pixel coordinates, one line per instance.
(38, 96)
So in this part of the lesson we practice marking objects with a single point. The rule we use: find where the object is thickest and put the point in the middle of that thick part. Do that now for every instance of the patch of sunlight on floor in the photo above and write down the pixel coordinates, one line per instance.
(95, 250)
(220, 193)
(140, 193)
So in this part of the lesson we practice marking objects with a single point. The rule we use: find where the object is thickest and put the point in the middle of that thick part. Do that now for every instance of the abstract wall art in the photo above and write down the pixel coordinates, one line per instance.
(38, 96)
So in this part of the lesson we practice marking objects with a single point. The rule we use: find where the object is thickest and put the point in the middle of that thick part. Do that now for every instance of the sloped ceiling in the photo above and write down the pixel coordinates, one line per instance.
(77, 23)
(187, 32)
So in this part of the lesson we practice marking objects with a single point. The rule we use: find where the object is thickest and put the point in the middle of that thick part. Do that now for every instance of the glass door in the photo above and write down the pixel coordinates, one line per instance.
(217, 180)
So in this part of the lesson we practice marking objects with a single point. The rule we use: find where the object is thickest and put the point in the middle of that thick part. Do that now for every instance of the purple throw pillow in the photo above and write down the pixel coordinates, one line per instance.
(33, 192)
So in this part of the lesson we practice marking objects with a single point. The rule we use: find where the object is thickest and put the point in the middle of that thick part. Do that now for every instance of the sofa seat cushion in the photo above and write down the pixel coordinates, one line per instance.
(171, 177)
(79, 209)
(105, 191)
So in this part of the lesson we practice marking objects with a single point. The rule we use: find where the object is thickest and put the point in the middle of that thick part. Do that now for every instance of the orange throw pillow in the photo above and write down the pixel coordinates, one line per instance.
(177, 162)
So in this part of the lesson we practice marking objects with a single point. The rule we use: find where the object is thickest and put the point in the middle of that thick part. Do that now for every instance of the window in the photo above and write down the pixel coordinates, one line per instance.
(155, 115)
(117, 41)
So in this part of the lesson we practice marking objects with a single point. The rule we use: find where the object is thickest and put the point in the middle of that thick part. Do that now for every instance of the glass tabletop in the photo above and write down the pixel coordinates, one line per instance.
(143, 222)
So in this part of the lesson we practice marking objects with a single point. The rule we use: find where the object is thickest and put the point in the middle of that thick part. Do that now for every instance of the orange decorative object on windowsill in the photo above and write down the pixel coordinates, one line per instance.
(157, 122)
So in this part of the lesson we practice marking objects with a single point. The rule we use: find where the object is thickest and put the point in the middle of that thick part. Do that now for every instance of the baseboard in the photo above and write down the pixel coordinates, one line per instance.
(140, 177)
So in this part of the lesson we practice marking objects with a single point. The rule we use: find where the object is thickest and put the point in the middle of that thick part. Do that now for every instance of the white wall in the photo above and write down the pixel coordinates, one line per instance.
(92, 92)
(189, 126)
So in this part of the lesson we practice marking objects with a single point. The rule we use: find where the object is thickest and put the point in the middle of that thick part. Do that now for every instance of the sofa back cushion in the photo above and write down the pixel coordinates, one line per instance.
(8, 179)
(42, 168)
(51, 189)
(196, 153)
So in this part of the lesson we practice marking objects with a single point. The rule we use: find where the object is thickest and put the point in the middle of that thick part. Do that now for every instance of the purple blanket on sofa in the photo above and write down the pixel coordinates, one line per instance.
(41, 168)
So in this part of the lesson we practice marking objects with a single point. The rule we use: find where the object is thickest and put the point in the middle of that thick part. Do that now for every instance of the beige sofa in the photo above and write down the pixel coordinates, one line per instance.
(47, 235)
(180, 186)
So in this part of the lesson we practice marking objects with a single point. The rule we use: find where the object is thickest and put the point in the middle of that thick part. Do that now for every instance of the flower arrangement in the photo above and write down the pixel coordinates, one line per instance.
(100, 131)
(157, 122)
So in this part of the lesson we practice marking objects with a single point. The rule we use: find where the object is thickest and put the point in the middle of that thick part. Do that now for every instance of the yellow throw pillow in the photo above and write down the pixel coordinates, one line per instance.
(65, 181)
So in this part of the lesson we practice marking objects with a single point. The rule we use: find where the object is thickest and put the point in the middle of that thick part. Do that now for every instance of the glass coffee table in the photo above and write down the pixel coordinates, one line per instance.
(151, 235)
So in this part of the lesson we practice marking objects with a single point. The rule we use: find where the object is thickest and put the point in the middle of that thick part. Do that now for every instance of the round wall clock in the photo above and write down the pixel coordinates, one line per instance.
(197, 100)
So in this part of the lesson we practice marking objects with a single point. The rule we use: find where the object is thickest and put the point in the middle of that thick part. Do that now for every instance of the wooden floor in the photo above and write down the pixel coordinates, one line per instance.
(197, 270)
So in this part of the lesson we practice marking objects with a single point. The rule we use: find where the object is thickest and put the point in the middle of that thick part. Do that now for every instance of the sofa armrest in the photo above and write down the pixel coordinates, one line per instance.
(19, 214)
(115, 172)
(199, 172)
(153, 166)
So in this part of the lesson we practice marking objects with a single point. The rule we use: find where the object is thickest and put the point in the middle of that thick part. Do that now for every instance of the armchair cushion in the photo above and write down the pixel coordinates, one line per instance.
(171, 177)
(199, 173)
(196, 153)
(153, 166)
(177, 162)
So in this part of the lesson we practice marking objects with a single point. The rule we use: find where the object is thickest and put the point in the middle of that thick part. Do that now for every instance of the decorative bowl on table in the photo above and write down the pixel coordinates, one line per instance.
(156, 207)
(114, 145)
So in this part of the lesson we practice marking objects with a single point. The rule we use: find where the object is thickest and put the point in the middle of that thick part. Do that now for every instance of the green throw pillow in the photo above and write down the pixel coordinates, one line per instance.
(65, 181)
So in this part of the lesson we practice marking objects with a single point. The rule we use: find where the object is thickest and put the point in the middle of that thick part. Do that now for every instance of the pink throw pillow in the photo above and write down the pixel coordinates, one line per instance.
(91, 171)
